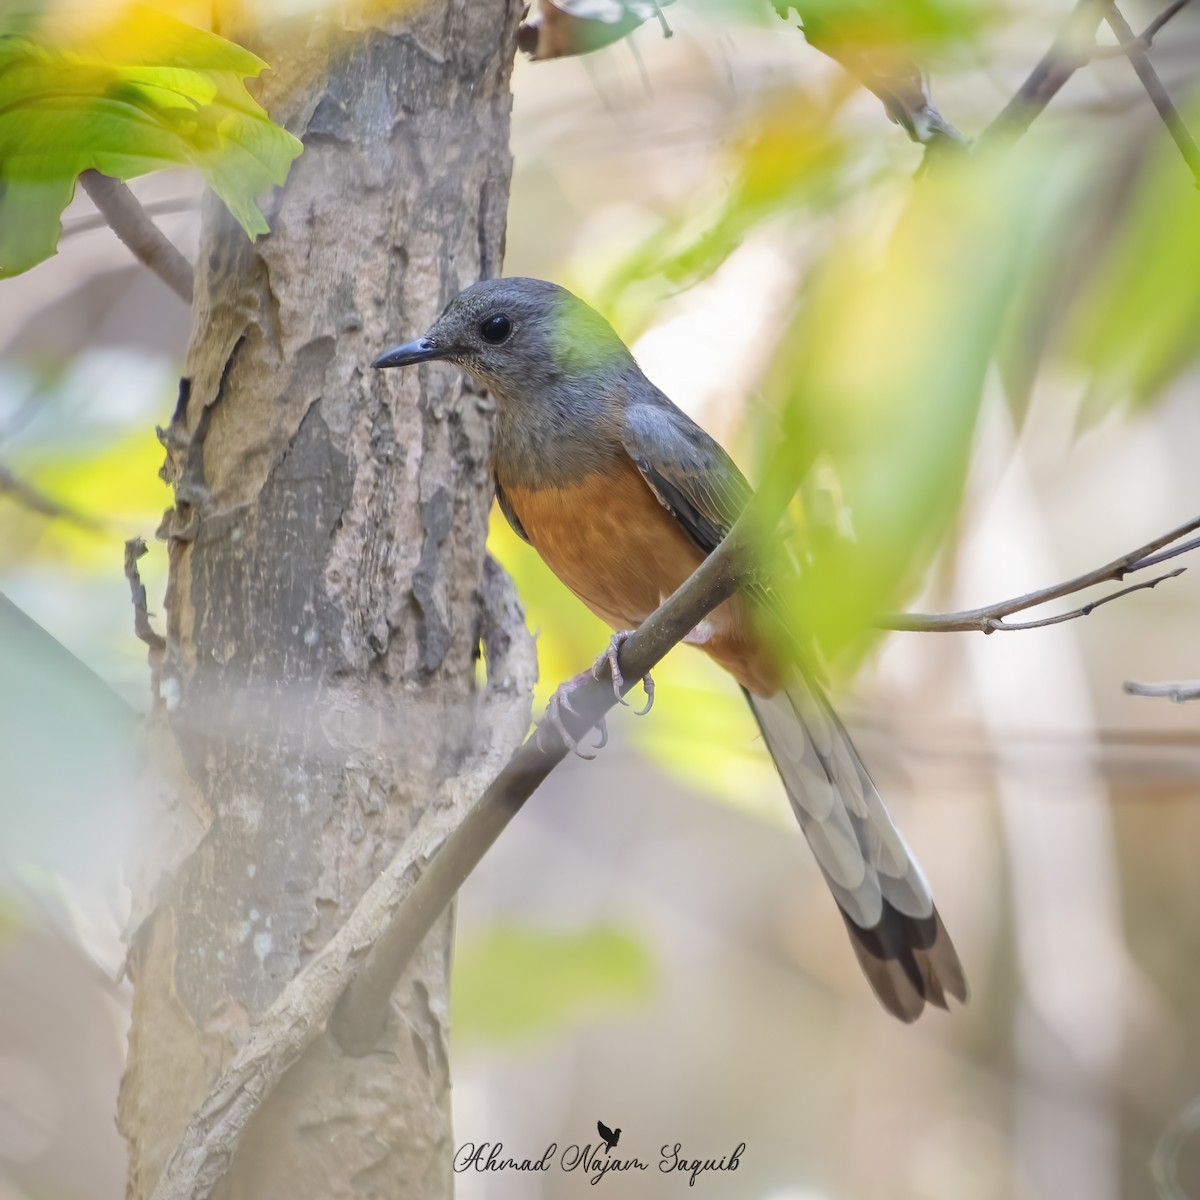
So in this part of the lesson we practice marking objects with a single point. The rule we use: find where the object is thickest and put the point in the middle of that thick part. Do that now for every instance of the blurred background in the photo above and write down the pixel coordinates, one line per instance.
(998, 365)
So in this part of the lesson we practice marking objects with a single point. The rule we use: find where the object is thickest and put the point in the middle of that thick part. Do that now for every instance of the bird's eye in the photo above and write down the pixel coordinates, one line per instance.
(496, 328)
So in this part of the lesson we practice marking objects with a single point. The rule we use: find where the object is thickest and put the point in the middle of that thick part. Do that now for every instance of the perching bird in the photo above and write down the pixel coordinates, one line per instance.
(623, 495)
(611, 1136)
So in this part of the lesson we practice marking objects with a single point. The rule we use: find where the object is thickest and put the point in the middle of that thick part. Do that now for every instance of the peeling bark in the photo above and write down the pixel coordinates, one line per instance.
(323, 610)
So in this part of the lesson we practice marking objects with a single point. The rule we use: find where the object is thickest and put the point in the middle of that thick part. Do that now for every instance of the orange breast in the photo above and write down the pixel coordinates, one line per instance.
(622, 553)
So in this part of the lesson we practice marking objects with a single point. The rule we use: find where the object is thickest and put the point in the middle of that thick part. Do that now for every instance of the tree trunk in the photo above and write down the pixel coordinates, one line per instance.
(324, 602)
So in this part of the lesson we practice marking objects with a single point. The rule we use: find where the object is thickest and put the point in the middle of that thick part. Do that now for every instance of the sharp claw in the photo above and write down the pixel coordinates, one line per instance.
(618, 680)
(562, 699)
(610, 656)
(648, 685)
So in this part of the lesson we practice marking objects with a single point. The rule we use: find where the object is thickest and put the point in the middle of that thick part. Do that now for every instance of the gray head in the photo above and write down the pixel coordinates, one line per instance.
(516, 337)
(555, 367)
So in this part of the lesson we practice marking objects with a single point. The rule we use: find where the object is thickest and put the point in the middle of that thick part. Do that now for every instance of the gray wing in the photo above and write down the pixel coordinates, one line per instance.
(702, 488)
(693, 478)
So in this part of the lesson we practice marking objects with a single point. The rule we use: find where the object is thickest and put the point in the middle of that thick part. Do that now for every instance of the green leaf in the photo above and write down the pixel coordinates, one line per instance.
(882, 371)
(787, 160)
(138, 93)
(1136, 329)
(890, 22)
(515, 981)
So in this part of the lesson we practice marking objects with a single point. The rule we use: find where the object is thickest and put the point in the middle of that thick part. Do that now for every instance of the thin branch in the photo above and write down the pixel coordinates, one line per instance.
(1144, 40)
(1179, 693)
(135, 548)
(1136, 49)
(1151, 30)
(156, 644)
(990, 618)
(1152, 560)
(130, 223)
(156, 208)
(1046, 80)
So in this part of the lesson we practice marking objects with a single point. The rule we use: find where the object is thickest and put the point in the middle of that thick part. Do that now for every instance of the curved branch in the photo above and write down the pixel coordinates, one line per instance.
(990, 618)
(1178, 693)
(121, 209)
(1053, 70)
(1135, 47)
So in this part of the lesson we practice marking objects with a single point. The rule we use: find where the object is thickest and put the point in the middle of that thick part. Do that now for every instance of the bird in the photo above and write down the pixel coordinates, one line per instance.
(611, 1136)
(623, 496)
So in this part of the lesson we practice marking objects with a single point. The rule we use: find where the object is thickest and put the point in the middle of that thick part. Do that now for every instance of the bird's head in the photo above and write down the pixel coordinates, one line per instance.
(520, 338)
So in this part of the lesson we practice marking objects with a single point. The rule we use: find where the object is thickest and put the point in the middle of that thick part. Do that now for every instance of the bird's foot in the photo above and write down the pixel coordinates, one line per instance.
(562, 699)
(610, 656)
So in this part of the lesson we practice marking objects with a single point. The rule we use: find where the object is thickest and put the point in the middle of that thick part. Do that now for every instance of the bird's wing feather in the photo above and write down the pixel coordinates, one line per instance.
(693, 478)
(605, 1132)
(701, 487)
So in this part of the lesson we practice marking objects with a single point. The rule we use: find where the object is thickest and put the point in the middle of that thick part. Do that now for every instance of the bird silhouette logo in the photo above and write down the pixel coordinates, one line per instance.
(611, 1136)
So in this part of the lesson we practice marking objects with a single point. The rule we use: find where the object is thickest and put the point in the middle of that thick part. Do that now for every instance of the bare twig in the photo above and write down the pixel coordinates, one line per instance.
(1136, 47)
(1179, 693)
(130, 223)
(1075, 47)
(1143, 41)
(990, 618)
(155, 208)
(1151, 31)
(135, 548)
(1152, 560)
(1046, 80)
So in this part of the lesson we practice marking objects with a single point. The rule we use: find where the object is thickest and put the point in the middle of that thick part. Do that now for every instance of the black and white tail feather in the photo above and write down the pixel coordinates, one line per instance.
(897, 935)
(895, 930)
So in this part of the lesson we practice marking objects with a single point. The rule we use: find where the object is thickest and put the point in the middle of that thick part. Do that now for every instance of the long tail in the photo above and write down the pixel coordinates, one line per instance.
(897, 935)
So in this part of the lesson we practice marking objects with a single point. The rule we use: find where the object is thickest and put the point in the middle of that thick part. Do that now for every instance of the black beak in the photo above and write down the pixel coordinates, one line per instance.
(422, 350)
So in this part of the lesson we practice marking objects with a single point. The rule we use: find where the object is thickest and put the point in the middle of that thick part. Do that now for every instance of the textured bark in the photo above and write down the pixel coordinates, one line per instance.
(323, 610)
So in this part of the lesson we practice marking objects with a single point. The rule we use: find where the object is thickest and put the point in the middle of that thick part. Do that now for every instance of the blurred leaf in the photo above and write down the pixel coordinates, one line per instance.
(884, 365)
(135, 93)
(881, 23)
(1138, 326)
(71, 756)
(786, 160)
(514, 981)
